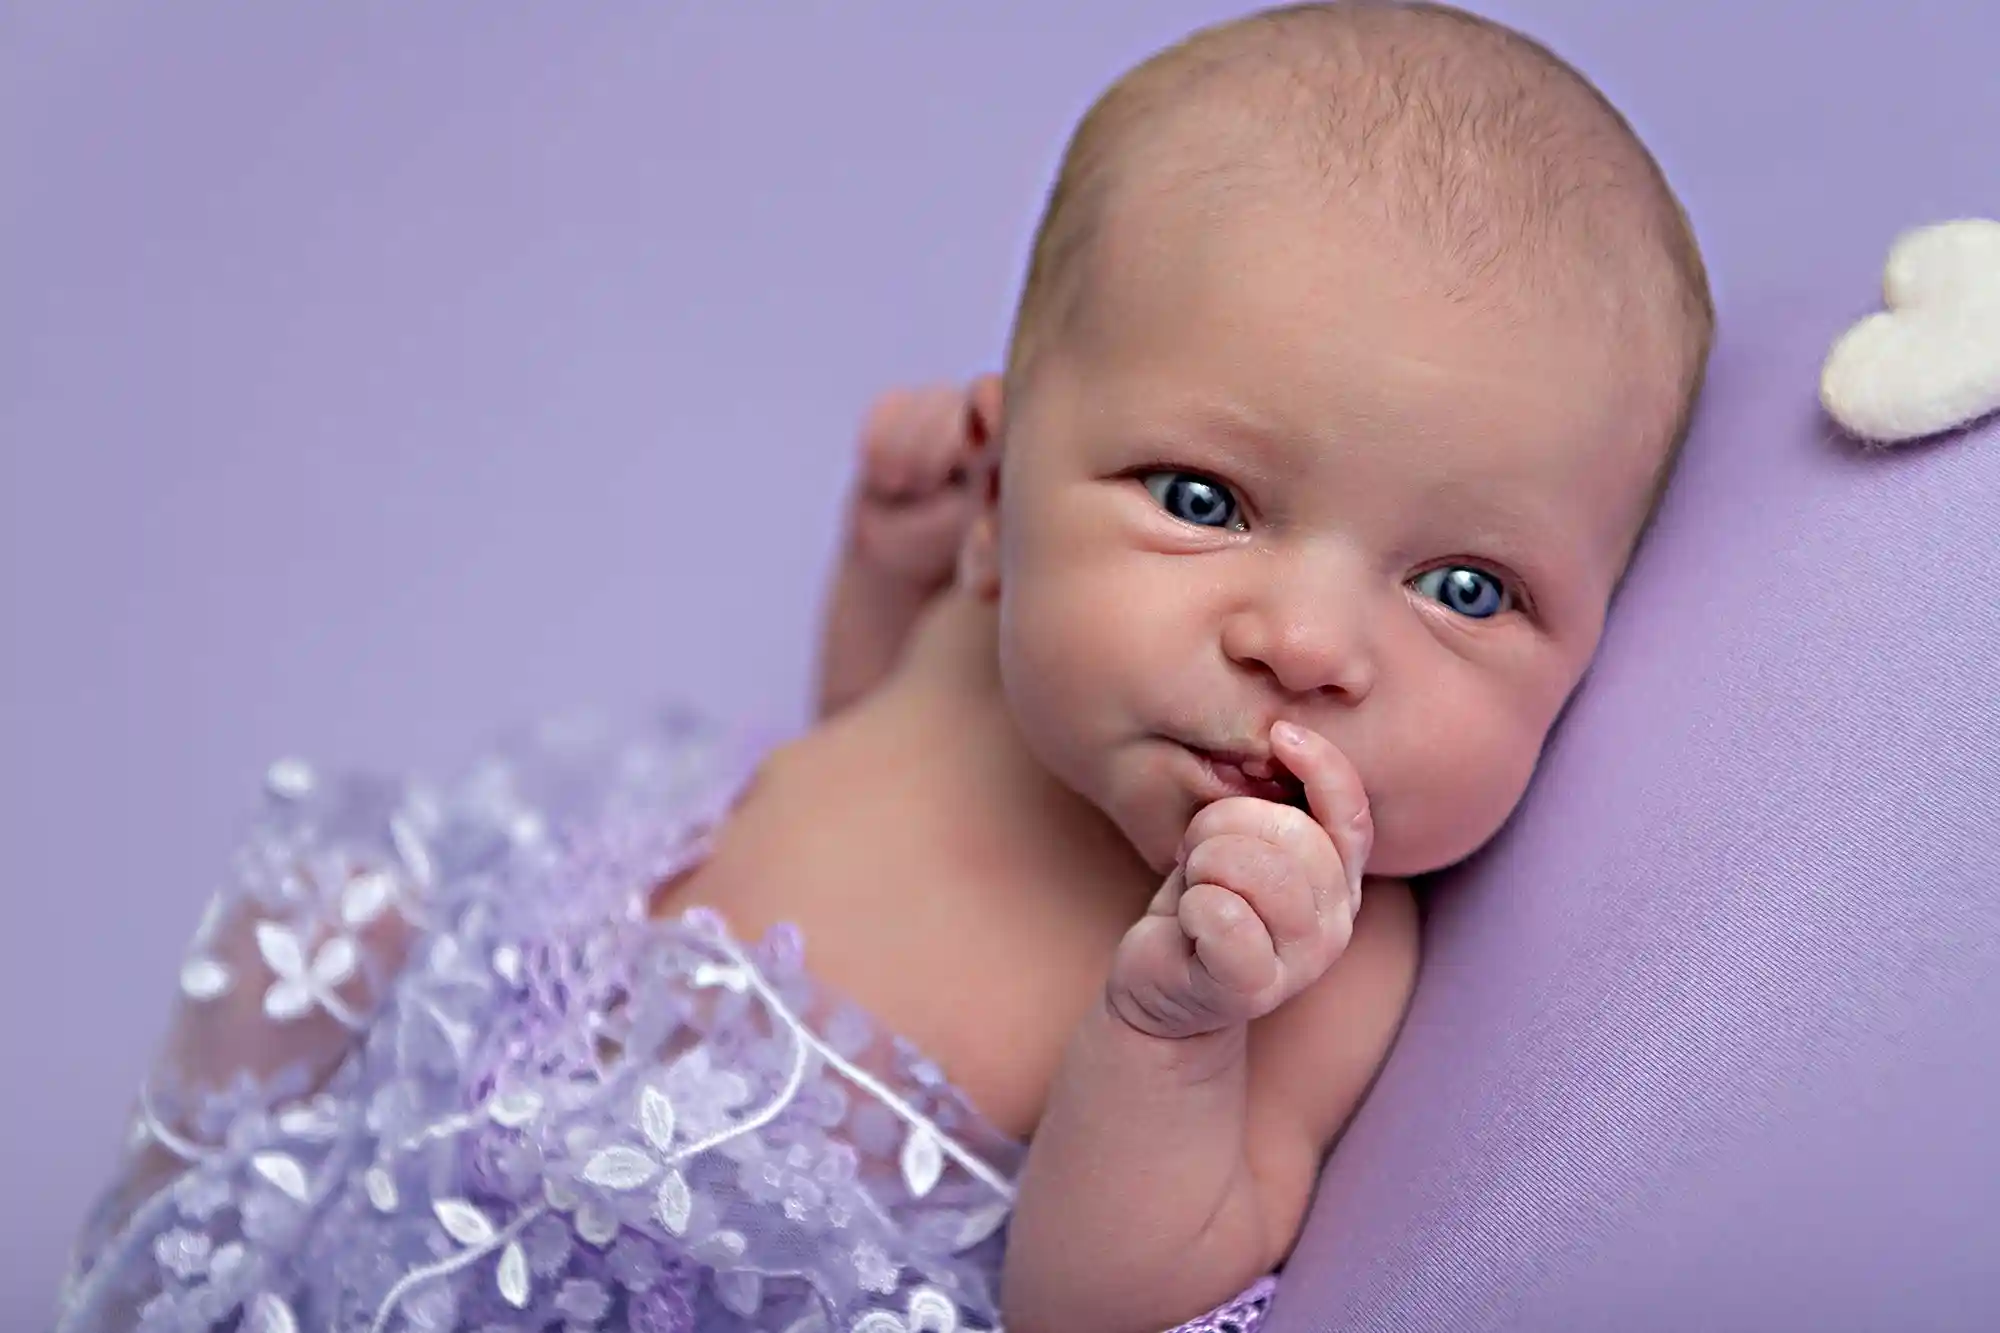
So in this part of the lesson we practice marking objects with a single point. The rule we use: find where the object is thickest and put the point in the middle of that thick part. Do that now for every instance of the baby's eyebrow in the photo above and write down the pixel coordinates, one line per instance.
(1257, 448)
(1239, 433)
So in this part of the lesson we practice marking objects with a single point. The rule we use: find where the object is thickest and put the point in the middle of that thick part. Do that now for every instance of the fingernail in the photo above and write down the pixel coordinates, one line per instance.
(1287, 734)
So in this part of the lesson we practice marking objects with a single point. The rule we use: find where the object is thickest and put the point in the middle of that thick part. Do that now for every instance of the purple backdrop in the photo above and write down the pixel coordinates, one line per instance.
(371, 378)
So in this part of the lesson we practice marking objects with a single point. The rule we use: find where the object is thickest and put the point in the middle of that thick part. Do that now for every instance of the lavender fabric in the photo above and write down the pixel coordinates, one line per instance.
(1707, 1039)
(437, 1068)
(370, 375)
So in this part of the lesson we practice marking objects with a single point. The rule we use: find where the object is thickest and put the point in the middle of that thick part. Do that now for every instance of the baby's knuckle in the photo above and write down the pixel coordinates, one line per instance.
(1268, 866)
(1213, 820)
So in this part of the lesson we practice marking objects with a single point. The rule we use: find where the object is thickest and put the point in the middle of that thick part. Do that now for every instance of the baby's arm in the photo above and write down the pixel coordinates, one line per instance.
(1182, 1139)
(913, 499)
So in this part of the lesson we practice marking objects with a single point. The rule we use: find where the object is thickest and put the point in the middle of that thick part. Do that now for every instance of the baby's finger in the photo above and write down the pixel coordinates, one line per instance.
(1230, 942)
(1294, 831)
(911, 440)
(927, 529)
(1267, 879)
(1167, 902)
(1333, 793)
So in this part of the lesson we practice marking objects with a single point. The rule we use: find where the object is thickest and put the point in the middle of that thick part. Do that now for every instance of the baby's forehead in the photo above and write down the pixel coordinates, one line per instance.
(1505, 164)
(1477, 209)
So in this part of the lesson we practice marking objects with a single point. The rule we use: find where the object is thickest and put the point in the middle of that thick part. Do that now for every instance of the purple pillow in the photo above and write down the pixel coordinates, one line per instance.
(1709, 1037)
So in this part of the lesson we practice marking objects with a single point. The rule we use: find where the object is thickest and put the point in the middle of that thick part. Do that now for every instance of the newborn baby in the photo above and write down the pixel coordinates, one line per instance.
(1033, 984)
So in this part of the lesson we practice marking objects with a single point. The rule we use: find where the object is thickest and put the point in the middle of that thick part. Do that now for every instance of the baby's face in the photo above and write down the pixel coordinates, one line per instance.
(1273, 474)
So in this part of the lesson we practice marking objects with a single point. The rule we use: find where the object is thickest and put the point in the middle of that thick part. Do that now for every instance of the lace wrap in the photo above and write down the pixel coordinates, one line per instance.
(433, 1068)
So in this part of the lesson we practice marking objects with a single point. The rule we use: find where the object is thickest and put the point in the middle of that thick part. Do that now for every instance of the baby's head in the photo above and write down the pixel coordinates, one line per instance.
(1356, 347)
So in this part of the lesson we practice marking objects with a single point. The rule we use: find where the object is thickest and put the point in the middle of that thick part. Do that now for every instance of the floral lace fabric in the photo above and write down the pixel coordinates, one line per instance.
(433, 1068)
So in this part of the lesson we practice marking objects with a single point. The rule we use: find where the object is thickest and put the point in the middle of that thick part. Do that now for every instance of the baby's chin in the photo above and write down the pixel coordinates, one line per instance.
(1152, 824)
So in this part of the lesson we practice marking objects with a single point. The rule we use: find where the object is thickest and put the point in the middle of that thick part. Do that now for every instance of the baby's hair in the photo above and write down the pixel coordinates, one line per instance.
(1479, 142)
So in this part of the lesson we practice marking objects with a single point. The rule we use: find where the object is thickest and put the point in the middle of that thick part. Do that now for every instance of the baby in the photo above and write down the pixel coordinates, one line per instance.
(1355, 351)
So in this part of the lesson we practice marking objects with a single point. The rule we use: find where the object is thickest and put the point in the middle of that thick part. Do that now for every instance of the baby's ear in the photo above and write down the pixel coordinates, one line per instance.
(978, 554)
(983, 405)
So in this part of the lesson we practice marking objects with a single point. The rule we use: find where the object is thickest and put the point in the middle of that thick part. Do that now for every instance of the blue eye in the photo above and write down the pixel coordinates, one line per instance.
(1194, 499)
(1472, 593)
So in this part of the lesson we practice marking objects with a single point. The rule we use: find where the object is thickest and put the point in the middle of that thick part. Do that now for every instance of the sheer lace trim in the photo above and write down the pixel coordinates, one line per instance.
(434, 1069)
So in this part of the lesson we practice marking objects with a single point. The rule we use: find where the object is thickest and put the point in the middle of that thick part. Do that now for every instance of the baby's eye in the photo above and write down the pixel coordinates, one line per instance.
(1472, 593)
(1195, 499)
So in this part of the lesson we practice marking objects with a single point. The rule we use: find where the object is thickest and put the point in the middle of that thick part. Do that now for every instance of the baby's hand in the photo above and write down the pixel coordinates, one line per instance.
(1260, 906)
(916, 497)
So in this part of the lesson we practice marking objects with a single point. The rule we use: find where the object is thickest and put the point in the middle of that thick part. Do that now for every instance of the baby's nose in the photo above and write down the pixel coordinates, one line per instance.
(1307, 647)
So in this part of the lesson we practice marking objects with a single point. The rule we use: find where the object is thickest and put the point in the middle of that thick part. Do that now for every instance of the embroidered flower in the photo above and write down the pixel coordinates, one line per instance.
(302, 981)
(183, 1253)
(927, 1310)
(571, 1118)
(623, 1168)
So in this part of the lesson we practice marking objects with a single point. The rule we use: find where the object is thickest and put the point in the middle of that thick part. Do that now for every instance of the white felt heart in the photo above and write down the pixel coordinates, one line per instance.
(1931, 361)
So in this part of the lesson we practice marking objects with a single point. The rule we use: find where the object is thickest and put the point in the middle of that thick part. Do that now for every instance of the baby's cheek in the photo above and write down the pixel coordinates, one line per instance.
(1451, 793)
(1044, 676)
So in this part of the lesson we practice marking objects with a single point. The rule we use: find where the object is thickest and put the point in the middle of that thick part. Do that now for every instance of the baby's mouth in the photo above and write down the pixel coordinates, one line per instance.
(1253, 775)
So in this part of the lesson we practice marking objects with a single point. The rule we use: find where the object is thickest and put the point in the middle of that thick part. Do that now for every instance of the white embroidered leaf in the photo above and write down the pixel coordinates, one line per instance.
(922, 1161)
(675, 1202)
(211, 917)
(204, 979)
(283, 1172)
(225, 1261)
(334, 963)
(410, 846)
(515, 1109)
(289, 779)
(463, 1222)
(595, 1223)
(619, 1168)
(725, 1247)
(656, 1118)
(311, 1122)
(709, 975)
(979, 1224)
(512, 1277)
(281, 949)
(562, 1195)
(286, 1000)
(879, 1321)
(740, 1290)
(507, 964)
(365, 897)
(269, 1314)
(931, 1311)
(381, 1187)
